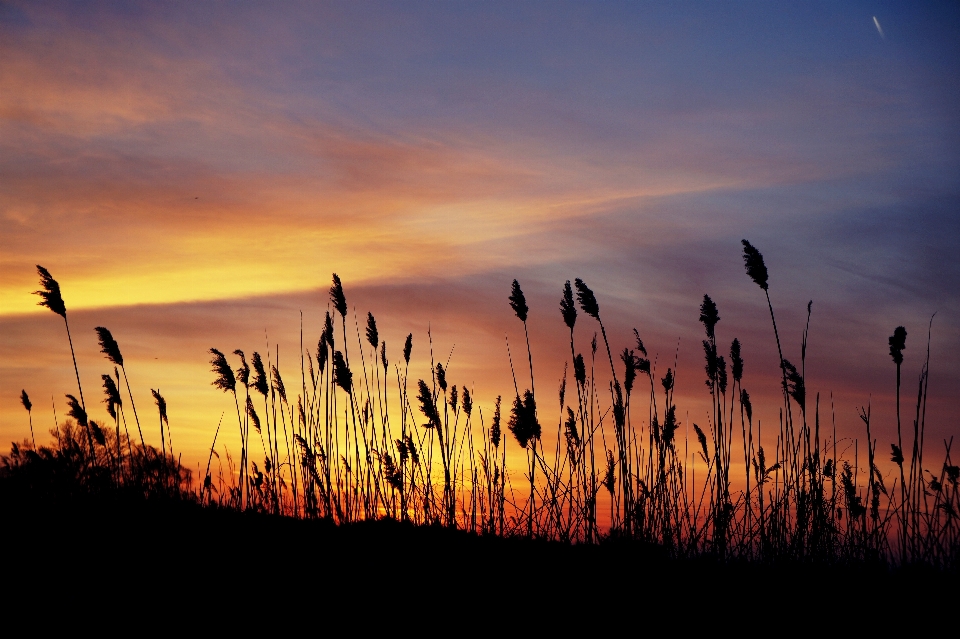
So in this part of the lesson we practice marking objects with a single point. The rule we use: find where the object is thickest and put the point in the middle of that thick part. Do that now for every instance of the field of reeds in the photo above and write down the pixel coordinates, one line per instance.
(356, 436)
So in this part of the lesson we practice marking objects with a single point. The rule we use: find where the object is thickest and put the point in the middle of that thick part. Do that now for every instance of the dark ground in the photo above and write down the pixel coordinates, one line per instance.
(173, 560)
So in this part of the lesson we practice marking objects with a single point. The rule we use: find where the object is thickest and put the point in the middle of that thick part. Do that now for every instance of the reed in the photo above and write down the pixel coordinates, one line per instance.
(344, 456)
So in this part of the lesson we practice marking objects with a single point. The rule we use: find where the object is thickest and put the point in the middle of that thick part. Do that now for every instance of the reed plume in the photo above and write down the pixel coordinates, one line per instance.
(588, 301)
(25, 401)
(252, 414)
(261, 382)
(243, 371)
(736, 361)
(51, 298)
(709, 316)
(372, 335)
(50, 295)
(428, 406)
(441, 377)
(112, 393)
(328, 334)
(518, 302)
(523, 420)
(568, 310)
(337, 297)
(278, 384)
(98, 435)
(753, 262)
(495, 427)
(109, 346)
(76, 411)
(747, 406)
(225, 380)
(341, 373)
(162, 408)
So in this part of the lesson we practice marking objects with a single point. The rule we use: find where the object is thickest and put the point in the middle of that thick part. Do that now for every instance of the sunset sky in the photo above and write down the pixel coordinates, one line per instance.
(192, 174)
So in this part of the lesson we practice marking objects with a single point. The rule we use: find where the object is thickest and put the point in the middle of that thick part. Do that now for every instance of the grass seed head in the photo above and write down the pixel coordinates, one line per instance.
(794, 384)
(897, 455)
(579, 370)
(736, 362)
(523, 419)
(722, 375)
(337, 297)
(747, 406)
(161, 405)
(753, 262)
(109, 346)
(898, 342)
(427, 406)
(441, 377)
(570, 431)
(225, 380)
(709, 316)
(710, 366)
(260, 381)
(341, 372)
(702, 438)
(630, 370)
(609, 476)
(495, 427)
(407, 348)
(50, 295)
(953, 474)
(322, 354)
(518, 302)
(278, 385)
(619, 412)
(76, 411)
(588, 301)
(25, 400)
(372, 335)
(669, 425)
(98, 435)
(563, 387)
(640, 346)
(252, 413)
(112, 395)
(467, 402)
(412, 449)
(567, 308)
(667, 381)
(243, 372)
(328, 329)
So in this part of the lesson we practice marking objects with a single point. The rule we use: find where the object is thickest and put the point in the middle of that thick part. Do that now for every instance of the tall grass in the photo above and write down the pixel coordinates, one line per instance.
(353, 444)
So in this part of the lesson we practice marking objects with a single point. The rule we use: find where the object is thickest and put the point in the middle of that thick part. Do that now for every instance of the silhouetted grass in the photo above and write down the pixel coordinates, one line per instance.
(350, 445)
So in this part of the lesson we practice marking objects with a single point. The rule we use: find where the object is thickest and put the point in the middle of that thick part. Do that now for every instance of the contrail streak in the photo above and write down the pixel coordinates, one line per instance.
(879, 28)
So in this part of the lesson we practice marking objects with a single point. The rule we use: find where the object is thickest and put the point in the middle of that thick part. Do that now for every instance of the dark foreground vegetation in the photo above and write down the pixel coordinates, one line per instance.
(173, 556)
(366, 485)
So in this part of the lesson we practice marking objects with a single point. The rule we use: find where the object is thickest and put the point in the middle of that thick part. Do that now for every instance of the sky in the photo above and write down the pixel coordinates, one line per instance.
(193, 173)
